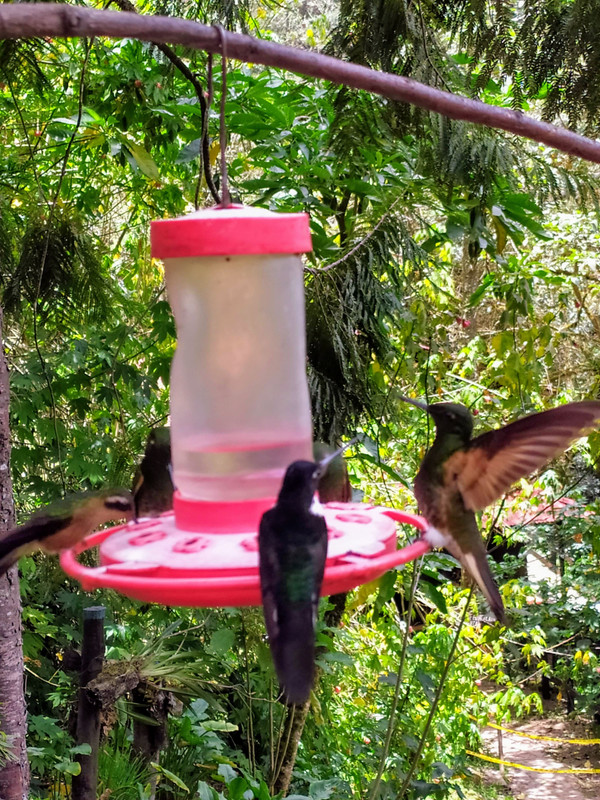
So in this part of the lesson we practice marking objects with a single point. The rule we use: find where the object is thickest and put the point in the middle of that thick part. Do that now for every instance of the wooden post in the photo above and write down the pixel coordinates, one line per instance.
(88, 713)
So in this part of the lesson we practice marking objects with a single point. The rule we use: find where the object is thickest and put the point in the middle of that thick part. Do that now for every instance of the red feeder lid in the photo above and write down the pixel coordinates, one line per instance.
(154, 561)
(232, 231)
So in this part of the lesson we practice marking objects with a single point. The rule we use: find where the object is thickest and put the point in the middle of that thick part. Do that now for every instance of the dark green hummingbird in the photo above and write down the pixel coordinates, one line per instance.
(334, 485)
(292, 547)
(153, 484)
(461, 475)
(64, 523)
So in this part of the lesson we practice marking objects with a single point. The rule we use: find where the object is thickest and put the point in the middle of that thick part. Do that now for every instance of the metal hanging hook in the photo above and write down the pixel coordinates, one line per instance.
(225, 197)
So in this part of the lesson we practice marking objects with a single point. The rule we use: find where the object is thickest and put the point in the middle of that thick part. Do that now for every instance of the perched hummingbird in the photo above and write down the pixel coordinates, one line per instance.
(460, 475)
(292, 548)
(152, 484)
(62, 524)
(334, 486)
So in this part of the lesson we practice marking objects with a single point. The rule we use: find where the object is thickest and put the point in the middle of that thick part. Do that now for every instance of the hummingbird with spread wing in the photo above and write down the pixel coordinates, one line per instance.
(461, 475)
(64, 523)
(153, 484)
(292, 547)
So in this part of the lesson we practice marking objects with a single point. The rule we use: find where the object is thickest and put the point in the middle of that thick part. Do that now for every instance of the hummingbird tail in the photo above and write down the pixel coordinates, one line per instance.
(25, 539)
(477, 566)
(294, 654)
(12, 548)
(7, 561)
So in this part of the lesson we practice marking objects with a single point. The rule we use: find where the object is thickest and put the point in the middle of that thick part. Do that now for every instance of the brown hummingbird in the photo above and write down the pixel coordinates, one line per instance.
(152, 484)
(461, 475)
(64, 523)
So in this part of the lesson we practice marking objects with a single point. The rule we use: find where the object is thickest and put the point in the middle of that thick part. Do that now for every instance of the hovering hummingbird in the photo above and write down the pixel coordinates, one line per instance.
(62, 524)
(460, 475)
(292, 547)
(153, 485)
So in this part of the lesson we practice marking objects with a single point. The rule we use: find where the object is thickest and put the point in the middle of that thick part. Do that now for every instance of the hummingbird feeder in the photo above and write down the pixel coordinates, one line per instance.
(240, 414)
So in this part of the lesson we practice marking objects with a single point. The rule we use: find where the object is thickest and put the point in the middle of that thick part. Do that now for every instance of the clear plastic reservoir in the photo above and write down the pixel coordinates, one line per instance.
(240, 409)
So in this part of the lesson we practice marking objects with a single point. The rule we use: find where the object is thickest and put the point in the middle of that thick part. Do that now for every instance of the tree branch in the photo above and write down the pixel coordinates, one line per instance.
(22, 20)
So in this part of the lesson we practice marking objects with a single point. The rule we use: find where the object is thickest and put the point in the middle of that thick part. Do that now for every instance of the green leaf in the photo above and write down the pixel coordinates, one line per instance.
(427, 684)
(221, 641)
(206, 792)
(339, 658)
(219, 725)
(227, 773)
(322, 790)
(433, 593)
(170, 776)
(81, 749)
(236, 788)
(143, 159)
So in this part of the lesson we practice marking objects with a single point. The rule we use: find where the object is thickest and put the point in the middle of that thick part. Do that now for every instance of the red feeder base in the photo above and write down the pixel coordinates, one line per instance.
(154, 561)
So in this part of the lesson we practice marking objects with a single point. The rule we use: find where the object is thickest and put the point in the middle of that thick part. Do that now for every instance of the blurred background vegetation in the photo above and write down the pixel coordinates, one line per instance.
(451, 262)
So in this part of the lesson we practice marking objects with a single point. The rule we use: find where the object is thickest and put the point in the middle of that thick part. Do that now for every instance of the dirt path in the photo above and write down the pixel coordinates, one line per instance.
(526, 785)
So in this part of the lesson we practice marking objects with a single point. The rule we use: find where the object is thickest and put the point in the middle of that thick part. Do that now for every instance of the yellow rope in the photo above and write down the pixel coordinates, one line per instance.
(532, 769)
(544, 738)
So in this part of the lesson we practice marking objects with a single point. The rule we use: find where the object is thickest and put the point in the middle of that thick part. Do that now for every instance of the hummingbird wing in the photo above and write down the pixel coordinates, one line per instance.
(291, 576)
(496, 459)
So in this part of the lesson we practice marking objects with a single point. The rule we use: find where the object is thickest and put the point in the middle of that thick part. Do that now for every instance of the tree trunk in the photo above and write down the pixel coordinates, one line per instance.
(14, 777)
(149, 740)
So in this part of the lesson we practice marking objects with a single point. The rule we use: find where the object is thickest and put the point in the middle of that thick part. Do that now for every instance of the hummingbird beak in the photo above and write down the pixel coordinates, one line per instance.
(416, 403)
(325, 462)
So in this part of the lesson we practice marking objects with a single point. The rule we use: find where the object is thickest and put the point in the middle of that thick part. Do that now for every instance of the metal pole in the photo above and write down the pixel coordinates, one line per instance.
(88, 712)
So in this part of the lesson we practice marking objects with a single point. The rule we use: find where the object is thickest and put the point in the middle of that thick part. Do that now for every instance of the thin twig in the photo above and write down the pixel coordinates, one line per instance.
(350, 253)
(390, 727)
(187, 73)
(51, 214)
(426, 49)
(250, 729)
(434, 705)
(280, 760)
(225, 198)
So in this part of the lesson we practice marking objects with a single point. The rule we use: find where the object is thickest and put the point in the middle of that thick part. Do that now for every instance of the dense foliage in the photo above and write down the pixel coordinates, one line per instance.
(449, 261)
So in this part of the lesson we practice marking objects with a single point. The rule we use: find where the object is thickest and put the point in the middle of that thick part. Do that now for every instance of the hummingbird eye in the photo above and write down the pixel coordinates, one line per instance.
(317, 474)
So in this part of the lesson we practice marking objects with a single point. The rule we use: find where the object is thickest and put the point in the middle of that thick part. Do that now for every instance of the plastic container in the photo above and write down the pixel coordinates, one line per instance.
(240, 408)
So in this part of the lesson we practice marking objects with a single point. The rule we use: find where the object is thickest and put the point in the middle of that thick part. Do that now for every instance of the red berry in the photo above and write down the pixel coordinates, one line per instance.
(138, 84)
(337, 689)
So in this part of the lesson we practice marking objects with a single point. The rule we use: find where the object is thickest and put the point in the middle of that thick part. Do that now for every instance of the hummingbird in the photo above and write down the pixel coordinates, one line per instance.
(153, 485)
(292, 548)
(63, 523)
(334, 485)
(461, 475)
